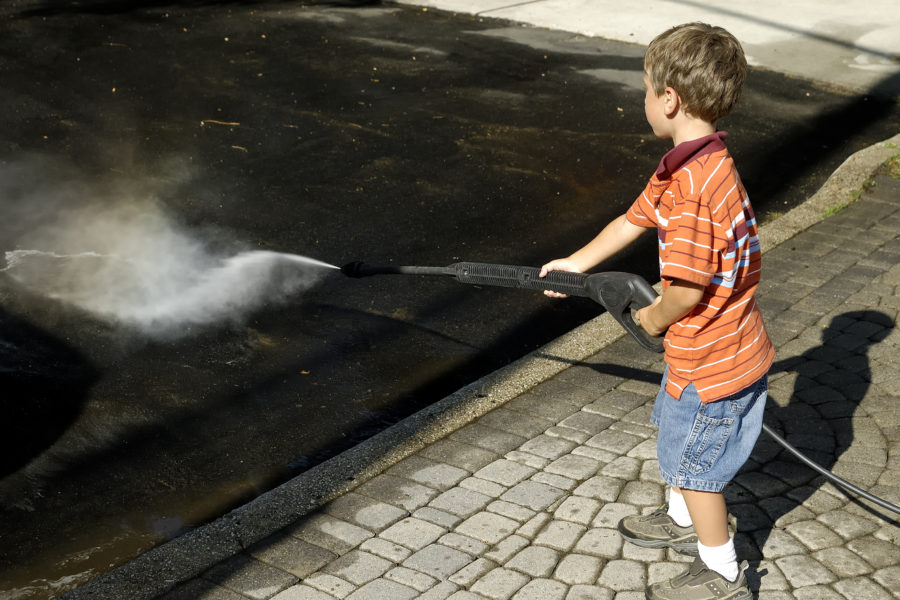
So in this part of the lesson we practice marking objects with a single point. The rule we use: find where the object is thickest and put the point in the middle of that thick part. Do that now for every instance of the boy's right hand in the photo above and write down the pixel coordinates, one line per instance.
(560, 264)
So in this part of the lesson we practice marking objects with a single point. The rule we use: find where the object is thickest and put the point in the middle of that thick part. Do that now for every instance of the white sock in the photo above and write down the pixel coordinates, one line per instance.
(678, 509)
(721, 559)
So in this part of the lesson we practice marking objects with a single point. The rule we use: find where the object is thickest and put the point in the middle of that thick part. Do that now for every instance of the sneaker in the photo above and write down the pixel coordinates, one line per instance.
(701, 583)
(659, 530)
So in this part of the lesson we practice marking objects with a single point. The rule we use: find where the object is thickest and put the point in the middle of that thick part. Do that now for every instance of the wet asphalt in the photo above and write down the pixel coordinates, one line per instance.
(374, 132)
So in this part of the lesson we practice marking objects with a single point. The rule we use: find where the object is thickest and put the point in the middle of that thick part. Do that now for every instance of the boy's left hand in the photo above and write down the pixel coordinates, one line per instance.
(644, 319)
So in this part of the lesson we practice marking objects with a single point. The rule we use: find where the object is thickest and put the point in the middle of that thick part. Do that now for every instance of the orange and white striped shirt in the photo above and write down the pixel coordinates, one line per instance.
(708, 236)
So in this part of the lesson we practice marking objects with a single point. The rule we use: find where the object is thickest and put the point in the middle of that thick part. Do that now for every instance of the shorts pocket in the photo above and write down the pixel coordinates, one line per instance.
(708, 438)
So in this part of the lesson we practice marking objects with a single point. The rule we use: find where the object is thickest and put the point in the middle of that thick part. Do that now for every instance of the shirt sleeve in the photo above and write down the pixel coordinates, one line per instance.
(690, 243)
(643, 211)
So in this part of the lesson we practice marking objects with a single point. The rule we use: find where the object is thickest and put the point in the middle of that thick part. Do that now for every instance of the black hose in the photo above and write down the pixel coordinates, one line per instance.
(829, 475)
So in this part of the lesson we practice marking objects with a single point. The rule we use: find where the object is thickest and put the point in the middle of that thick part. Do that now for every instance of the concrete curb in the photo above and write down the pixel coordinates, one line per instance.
(159, 570)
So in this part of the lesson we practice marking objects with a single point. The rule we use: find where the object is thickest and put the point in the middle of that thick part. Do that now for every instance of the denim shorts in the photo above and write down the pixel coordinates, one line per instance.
(702, 446)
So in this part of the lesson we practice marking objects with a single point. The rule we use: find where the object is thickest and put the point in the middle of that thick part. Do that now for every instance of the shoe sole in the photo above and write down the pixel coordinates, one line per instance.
(689, 548)
(649, 595)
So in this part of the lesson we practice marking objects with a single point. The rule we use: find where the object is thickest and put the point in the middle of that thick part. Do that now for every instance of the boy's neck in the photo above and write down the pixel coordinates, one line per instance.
(690, 129)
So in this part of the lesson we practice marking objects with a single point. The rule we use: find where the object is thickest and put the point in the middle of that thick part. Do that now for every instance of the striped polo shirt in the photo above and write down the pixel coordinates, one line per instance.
(708, 236)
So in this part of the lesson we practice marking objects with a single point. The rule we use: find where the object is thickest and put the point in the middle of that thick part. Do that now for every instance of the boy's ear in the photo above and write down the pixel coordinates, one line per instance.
(671, 101)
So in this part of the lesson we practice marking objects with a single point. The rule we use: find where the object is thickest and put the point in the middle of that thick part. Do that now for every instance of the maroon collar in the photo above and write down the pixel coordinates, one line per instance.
(684, 152)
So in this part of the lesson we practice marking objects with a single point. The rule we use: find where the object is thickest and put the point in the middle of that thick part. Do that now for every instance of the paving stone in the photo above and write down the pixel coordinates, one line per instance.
(383, 588)
(814, 534)
(560, 535)
(437, 560)
(817, 592)
(842, 562)
(567, 433)
(614, 441)
(437, 517)
(250, 577)
(200, 589)
(526, 426)
(776, 543)
(803, 570)
(574, 466)
(876, 552)
(358, 567)
(847, 525)
(623, 467)
(516, 512)
(558, 481)
(526, 458)
(398, 491)
(364, 511)
(534, 525)
(487, 527)
(472, 572)
(464, 543)
(646, 450)
(642, 493)
(548, 446)
(534, 561)
(658, 572)
(333, 534)
(862, 588)
(459, 454)
(623, 575)
(428, 472)
(441, 591)
(385, 549)
(605, 543)
(533, 495)
(577, 509)
(414, 579)
(578, 569)
(598, 454)
(889, 579)
(331, 585)
(783, 511)
(461, 501)
(589, 592)
(647, 555)
(483, 486)
(766, 577)
(610, 514)
(499, 584)
(297, 592)
(464, 595)
(605, 489)
(505, 472)
(290, 554)
(538, 406)
(589, 423)
(507, 548)
(542, 589)
(488, 438)
(413, 533)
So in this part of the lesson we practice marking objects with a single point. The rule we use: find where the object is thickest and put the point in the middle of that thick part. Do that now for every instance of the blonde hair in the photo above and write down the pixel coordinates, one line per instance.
(703, 63)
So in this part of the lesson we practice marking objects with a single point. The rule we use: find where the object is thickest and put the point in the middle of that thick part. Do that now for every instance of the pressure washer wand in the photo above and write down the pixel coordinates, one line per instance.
(619, 293)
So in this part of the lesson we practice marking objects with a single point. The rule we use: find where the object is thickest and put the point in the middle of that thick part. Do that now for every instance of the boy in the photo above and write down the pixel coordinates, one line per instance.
(710, 404)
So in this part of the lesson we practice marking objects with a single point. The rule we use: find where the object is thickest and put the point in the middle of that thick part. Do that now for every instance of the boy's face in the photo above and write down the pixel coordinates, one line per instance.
(655, 111)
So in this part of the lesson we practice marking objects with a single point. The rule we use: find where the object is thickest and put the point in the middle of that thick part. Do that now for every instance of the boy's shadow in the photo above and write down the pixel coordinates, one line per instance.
(812, 401)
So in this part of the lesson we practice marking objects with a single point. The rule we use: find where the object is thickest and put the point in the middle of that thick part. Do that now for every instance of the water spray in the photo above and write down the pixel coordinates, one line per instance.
(619, 293)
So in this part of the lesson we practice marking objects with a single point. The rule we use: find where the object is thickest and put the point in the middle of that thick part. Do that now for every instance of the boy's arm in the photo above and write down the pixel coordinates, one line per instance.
(678, 300)
(618, 234)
